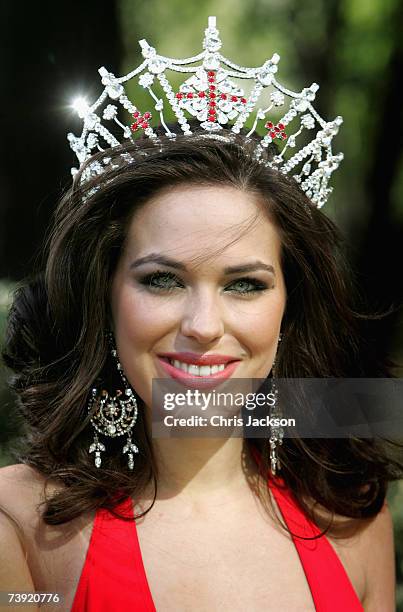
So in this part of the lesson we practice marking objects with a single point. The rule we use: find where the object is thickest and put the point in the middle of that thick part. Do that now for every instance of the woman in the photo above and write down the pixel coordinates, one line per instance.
(210, 534)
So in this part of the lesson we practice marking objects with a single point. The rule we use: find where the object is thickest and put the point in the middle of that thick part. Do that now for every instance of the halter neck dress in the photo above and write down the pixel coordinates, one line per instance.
(114, 578)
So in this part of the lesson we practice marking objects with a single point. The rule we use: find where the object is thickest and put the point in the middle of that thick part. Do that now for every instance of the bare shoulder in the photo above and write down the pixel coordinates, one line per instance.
(41, 556)
(19, 472)
(15, 574)
(22, 490)
(366, 549)
(20, 485)
(378, 556)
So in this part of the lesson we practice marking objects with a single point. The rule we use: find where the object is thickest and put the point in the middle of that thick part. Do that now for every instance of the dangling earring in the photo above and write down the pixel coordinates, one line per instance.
(115, 415)
(276, 432)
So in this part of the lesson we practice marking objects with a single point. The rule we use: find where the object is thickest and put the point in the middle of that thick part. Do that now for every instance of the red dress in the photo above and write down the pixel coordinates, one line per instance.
(114, 578)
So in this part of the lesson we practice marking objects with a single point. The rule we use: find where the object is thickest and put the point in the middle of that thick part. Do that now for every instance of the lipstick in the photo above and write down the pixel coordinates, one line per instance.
(193, 381)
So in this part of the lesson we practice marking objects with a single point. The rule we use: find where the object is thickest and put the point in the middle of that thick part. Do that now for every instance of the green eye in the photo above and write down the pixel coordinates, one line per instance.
(246, 286)
(160, 281)
(167, 281)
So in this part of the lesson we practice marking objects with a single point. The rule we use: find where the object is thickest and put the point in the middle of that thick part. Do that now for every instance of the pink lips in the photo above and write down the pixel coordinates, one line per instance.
(194, 381)
(199, 360)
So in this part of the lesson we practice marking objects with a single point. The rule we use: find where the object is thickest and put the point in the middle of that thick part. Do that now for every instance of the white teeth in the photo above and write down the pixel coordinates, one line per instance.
(178, 364)
(195, 370)
(206, 370)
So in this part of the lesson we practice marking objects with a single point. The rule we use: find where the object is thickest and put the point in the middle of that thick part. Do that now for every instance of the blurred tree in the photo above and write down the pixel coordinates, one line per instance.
(50, 54)
(352, 48)
(382, 238)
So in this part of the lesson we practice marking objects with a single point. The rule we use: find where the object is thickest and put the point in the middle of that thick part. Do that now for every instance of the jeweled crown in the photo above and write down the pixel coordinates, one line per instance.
(214, 99)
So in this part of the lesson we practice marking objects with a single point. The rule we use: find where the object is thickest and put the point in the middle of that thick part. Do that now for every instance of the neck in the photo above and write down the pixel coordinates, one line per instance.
(199, 471)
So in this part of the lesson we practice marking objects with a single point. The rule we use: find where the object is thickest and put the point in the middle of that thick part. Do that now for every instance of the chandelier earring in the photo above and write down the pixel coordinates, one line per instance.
(276, 432)
(113, 414)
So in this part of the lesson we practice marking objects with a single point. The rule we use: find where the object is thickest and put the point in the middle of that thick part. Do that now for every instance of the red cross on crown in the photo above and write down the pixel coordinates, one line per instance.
(212, 95)
(141, 121)
(276, 131)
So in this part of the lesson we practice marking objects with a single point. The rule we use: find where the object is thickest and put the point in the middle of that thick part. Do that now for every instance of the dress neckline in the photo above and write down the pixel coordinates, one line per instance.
(325, 573)
(139, 556)
(307, 549)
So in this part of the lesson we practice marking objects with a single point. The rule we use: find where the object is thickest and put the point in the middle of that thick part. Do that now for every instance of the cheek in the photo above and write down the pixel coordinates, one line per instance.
(134, 321)
(262, 323)
(260, 331)
(139, 319)
(136, 331)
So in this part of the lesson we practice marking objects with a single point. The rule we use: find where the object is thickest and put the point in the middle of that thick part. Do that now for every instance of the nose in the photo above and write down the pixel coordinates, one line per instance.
(202, 317)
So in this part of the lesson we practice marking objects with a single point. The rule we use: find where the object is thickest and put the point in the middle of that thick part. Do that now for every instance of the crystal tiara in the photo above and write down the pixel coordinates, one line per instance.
(213, 98)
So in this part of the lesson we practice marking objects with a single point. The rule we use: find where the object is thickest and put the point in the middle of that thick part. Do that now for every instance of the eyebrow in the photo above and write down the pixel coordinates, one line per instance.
(173, 263)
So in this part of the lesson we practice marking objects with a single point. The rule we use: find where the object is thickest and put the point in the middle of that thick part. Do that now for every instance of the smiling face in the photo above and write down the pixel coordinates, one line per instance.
(174, 291)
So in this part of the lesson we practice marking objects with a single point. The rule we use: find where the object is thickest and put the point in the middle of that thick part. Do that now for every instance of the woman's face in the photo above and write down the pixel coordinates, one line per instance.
(187, 301)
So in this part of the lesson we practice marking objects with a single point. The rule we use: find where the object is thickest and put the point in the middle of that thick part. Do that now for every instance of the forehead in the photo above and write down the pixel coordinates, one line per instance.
(194, 220)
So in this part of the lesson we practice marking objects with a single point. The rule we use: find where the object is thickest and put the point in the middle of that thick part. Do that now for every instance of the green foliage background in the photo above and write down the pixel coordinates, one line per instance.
(353, 49)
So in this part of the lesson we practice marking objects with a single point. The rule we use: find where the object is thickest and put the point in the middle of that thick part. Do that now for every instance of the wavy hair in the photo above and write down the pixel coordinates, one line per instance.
(56, 346)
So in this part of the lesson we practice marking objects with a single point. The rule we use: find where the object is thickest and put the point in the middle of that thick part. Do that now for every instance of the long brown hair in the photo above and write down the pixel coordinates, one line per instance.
(56, 345)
